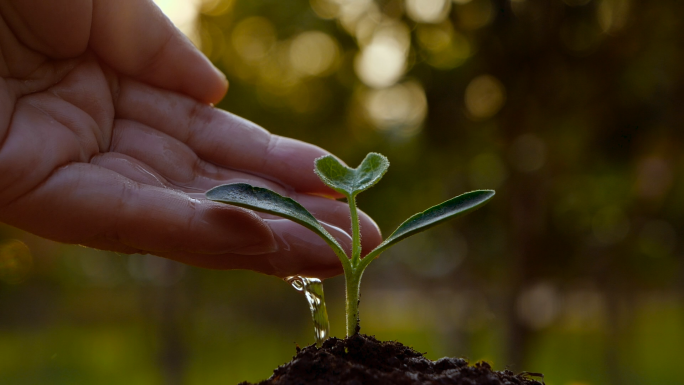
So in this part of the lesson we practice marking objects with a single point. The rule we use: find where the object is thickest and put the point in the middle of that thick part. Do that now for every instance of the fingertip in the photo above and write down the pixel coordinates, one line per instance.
(196, 75)
(136, 39)
(213, 88)
(293, 161)
(301, 251)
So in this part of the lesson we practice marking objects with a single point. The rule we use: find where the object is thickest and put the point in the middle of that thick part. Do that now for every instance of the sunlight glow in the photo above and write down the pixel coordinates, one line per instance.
(381, 64)
(183, 14)
(383, 61)
(313, 53)
(428, 11)
(400, 108)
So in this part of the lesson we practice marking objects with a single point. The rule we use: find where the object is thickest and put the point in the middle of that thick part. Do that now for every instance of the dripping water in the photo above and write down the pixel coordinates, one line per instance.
(313, 291)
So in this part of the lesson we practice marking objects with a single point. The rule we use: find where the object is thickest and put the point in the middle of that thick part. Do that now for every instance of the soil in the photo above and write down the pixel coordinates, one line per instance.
(363, 360)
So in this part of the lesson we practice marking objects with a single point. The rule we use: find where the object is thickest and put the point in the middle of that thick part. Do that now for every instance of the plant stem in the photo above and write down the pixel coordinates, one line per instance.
(356, 232)
(353, 286)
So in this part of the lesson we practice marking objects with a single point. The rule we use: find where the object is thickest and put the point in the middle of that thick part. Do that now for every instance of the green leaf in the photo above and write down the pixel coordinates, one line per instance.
(351, 181)
(270, 202)
(433, 216)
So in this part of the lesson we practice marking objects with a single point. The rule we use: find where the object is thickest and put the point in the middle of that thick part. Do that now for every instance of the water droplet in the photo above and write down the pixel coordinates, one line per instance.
(313, 291)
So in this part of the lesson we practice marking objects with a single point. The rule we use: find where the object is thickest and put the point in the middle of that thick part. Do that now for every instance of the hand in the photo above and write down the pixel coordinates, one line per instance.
(107, 140)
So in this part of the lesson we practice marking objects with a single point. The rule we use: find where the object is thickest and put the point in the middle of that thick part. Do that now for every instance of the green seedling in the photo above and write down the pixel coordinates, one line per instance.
(349, 182)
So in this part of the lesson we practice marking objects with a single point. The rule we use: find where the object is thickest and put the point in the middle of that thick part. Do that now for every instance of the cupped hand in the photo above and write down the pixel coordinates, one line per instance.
(107, 139)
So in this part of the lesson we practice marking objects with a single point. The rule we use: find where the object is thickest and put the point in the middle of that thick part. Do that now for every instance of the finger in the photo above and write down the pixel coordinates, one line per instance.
(57, 28)
(175, 161)
(130, 168)
(136, 39)
(223, 139)
(90, 205)
(300, 252)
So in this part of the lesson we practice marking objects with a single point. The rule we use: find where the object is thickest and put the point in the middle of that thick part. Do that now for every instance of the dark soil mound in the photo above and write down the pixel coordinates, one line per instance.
(363, 360)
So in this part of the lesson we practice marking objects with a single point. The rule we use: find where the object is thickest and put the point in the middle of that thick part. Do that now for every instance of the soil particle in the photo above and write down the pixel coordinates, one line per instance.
(363, 360)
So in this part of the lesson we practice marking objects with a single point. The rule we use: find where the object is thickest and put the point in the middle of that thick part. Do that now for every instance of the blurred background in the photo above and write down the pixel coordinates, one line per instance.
(570, 109)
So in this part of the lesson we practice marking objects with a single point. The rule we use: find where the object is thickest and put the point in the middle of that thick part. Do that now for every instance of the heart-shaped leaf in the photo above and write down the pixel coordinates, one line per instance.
(267, 201)
(351, 181)
(433, 216)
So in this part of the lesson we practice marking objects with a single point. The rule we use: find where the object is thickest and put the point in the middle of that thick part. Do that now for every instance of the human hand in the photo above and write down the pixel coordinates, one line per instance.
(107, 140)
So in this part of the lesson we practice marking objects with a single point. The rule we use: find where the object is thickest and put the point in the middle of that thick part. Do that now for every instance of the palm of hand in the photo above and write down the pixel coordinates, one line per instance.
(91, 156)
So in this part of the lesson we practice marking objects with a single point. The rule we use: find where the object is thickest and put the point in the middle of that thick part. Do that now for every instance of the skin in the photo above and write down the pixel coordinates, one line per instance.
(108, 140)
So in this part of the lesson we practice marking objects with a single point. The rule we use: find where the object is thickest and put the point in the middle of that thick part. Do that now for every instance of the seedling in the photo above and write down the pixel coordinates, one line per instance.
(349, 182)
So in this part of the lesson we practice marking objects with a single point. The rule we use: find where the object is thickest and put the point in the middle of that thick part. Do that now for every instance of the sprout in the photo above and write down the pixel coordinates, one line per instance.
(349, 182)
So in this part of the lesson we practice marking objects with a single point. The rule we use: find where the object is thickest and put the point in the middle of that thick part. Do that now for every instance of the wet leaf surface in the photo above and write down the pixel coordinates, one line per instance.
(351, 181)
(435, 215)
(267, 201)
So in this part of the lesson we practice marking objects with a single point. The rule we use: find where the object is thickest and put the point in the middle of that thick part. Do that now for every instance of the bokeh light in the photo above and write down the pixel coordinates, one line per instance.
(313, 53)
(383, 61)
(400, 108)
(215, 7)
(351, 11)
(253, 38)
(16, 261)
(538, 305)
(183, 14)
(484, 97)
(325, 9)
(428, 11)
(569, 109)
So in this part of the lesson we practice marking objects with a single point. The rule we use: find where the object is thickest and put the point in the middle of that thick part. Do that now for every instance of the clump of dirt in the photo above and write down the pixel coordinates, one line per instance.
(363, 360)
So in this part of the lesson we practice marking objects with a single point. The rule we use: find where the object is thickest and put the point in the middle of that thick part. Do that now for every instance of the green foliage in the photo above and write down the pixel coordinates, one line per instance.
(349, 182)
(270, 202)
(433, 216)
